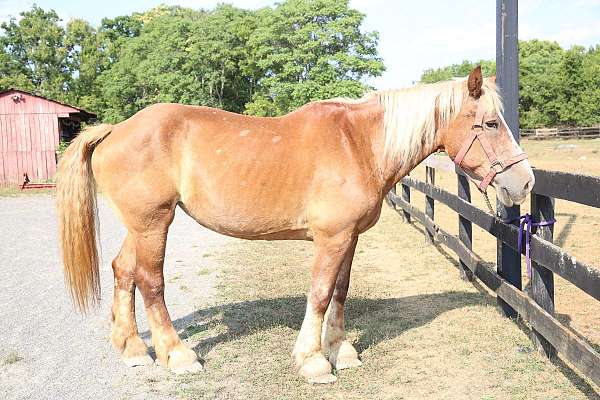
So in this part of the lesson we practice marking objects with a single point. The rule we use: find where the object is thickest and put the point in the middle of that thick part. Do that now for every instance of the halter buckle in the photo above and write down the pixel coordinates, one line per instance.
(497, 163)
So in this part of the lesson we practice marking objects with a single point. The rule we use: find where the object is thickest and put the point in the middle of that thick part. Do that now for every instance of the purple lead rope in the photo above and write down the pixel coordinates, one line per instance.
(525, 226)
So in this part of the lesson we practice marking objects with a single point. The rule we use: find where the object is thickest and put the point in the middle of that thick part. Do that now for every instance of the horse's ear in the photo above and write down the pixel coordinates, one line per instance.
(474, 82)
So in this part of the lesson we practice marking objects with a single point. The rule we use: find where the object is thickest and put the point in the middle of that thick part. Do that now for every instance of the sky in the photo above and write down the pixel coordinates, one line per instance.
(414, 35)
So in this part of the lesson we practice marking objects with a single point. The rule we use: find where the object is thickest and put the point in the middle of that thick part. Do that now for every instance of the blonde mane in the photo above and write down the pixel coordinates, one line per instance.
(411, 113)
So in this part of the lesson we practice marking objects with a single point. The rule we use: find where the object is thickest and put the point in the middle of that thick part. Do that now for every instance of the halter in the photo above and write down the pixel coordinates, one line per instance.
(496, 165)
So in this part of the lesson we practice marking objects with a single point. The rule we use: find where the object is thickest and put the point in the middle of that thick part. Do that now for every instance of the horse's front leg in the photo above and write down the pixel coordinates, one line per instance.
(340, 351)
(330, 251)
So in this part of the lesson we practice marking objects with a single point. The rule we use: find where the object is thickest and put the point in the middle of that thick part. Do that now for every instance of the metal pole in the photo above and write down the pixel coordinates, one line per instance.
(507, 75)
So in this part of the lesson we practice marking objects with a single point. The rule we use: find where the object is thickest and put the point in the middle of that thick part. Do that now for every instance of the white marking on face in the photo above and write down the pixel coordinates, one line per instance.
(245, 132)
(276, 139)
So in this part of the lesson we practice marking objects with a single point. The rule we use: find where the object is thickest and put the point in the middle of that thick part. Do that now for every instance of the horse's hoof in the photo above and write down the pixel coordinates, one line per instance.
(347, 363)
(345, 357)
(138, 361)
(183, 360)
(316, 369)
(322, 379)
(188, 369)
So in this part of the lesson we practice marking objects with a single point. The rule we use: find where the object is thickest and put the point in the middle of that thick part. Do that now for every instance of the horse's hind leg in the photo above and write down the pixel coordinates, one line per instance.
(124, 335)
(150, 254)
(341, 353)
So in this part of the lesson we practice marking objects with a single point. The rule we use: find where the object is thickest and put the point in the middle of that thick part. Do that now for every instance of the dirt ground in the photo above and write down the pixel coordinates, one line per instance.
(577, 228)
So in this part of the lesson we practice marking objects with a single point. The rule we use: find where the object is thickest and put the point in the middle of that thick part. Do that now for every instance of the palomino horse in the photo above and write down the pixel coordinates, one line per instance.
(319, 173)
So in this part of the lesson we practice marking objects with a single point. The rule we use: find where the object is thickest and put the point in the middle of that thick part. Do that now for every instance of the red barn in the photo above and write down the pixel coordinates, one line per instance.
(30, 129)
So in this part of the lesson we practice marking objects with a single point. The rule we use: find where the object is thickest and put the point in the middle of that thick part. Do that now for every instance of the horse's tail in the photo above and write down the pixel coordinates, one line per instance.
(77, 214)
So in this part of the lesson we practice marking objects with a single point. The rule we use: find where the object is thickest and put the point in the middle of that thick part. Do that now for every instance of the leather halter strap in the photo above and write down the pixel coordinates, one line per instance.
(496, 165)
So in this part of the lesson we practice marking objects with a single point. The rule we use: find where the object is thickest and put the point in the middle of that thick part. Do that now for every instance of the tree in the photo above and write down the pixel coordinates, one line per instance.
(590, 101)
(85, 62)
(223, 61)
(13, 74)
(309, 50)
(35, 51)
(153, 67)
(457, 71)
(539, 64)
(264, 62)
(571, 86)
(114, 33)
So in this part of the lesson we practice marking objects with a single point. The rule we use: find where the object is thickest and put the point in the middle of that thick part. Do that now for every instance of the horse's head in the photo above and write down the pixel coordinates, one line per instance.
(480, 142)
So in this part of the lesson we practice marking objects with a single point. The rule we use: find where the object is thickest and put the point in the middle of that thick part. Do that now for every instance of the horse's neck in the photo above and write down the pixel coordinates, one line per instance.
(393, 167)
(399, 169)
(368, 122)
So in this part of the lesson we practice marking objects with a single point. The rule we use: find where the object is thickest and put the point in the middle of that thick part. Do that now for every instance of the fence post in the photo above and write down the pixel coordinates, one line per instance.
(507, 72)
(542, 279)
(465, 227)
(429, 202)
(388, 200)
(406, 198)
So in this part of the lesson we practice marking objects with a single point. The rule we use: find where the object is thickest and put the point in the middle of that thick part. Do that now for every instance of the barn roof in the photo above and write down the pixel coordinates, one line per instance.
(71, 109)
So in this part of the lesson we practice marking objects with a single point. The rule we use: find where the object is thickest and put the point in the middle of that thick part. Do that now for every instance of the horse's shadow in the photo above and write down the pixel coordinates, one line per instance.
(374, 319)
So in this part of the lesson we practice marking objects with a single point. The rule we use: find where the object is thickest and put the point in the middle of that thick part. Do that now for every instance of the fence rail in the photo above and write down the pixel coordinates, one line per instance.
(550, 335)
(570, 132)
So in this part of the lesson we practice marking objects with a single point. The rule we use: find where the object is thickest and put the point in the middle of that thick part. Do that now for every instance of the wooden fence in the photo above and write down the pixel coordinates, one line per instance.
(564, 133)
(550, 335)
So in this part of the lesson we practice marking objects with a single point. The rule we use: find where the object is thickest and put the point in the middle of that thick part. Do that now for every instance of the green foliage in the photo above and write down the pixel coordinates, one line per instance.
(152, 67)
(264, 62)
(62, 147)
(539, 65)
(457, 70)
(557, 87)
(310, 50)
(37, 55)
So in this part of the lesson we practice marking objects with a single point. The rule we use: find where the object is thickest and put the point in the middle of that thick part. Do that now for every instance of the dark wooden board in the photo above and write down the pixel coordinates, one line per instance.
(583, 189)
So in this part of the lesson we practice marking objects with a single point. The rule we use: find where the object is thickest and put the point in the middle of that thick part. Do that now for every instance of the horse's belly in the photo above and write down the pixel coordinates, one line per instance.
(247, 222)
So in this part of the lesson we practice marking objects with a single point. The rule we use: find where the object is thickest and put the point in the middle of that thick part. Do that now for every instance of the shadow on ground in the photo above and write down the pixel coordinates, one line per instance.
(375, 319)
(567, 226)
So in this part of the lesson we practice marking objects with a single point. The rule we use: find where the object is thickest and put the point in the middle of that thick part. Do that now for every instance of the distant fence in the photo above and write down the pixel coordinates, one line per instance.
(550, 335)
(552, 133)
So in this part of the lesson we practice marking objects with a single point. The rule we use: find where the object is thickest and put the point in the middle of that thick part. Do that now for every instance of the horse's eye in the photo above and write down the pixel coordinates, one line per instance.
(493, 125)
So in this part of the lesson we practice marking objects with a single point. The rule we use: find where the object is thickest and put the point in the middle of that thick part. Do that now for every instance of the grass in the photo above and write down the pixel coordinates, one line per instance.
(11, 358)
(13, 191)
(420, 331)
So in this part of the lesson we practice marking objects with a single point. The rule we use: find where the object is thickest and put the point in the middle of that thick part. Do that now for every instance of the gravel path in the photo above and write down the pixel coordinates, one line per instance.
(64, 355)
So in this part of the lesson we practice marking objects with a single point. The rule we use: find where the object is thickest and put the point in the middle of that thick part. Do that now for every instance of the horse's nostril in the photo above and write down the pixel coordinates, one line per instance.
(528, 186)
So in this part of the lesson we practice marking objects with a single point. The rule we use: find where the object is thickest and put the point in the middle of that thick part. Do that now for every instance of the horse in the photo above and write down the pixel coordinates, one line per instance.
(319, 173)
